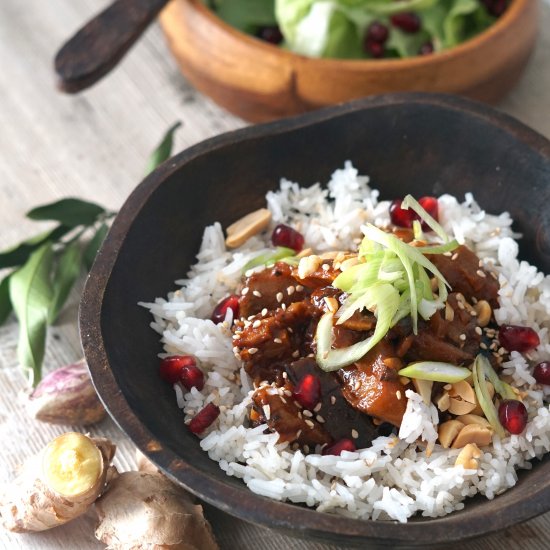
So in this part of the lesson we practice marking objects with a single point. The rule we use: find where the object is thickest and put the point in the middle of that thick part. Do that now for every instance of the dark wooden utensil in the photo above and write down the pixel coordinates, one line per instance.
(98, 46)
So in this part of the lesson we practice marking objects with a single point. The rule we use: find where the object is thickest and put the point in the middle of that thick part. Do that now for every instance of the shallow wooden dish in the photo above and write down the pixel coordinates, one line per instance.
(260, 82)
(422, 144)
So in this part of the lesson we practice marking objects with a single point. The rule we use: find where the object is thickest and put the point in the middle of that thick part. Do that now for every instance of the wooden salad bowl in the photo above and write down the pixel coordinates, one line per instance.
(258, 81)
(407, 143)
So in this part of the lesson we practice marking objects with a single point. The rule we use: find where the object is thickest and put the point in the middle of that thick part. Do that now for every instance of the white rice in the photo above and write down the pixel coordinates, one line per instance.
(393, 478)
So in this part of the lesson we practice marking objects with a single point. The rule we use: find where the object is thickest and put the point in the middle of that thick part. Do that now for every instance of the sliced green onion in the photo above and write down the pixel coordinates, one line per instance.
(417, 230)
(410, 202)
(387, 301)
(439, 248)
(479, 371)
(269, 258)
(435, 371)
(502, 388)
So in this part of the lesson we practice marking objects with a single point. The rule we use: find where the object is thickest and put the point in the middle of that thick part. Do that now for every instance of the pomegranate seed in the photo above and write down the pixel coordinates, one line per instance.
(495, 7)
(377, 32)
(192, 377)
(204, 418)
(283, 235)
(513, 415)
(375, 49)
(171, 367)
(337, 448)
(407, 22)
(218, 315)
(404, 218)
(308, 391)
(542, 373)
(271, 34)
(426, 49)
(515, 338)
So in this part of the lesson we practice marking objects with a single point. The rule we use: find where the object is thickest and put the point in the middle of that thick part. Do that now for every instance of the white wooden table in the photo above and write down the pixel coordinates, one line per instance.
(95, 146)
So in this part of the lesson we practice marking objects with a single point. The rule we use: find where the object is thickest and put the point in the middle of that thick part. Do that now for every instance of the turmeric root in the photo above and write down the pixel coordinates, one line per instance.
(146, 511)
(59, 484)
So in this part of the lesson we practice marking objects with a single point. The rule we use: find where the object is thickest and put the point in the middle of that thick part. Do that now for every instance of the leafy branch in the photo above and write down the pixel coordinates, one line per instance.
(42, 270)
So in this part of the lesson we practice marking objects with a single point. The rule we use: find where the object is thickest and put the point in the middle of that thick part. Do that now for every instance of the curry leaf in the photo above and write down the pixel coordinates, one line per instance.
(66, 273)
(93, 246)
(163, 150)
(5, 302)
(18, 254)
(31, 295)
(70, 212)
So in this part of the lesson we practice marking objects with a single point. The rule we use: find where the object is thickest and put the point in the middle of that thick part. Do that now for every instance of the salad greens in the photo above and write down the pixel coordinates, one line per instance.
(339, 28)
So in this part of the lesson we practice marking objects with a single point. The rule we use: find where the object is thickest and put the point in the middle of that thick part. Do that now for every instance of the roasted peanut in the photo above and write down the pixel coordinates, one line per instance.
(484, 312)
(424, 389)
(469, 457)
(443, 402)
(248, 226)
(308, 265)
(474, 419)
(473, 433)
(448, 431)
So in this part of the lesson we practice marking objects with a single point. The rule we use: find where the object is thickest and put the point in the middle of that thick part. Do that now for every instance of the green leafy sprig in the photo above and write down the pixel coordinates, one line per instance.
(41, 271)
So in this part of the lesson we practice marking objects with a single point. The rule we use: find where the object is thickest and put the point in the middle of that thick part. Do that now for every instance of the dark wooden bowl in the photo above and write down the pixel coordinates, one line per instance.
(260, 82)
(421, 144)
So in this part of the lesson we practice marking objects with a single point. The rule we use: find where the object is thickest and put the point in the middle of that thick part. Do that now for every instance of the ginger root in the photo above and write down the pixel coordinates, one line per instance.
(59, 484)
(143, 510)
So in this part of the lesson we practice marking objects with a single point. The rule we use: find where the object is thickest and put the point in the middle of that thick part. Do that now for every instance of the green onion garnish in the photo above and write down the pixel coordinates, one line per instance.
(435, 371)
(269, 258)
(480, 370)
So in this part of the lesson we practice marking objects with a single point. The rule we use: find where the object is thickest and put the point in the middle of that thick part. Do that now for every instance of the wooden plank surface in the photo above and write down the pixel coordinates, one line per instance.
(94, 145)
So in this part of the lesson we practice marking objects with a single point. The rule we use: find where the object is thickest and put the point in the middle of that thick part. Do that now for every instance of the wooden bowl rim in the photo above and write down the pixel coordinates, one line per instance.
(501, 26)
(240, 501)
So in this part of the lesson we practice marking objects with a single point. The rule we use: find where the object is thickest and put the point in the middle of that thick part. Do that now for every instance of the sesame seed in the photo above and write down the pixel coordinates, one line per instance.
(325, 267)
(478, 331)
(290, 330)
(357, 385)
(257, 293)
(290, 290)
(493, 275)
(460, 305)
(288, 393)
(278, 341)
(296, 354)
(256, 323)
(398, 394)
(267, 411)
(473, 313)
(454, 256)
(264, 312)
(250, 318)
(249, 273)
(310, 423)
(320, 419)
(252, 351)
(244, 291)
(279, 297)
(354, 434)
(307, 413)
(299, 288)
(332, 399)
(318, 407)
(448, 254)
(306, 449)
(481, 273)
(298, 434)
(501, 351)
(235, 349)
(283, 399)
(483, 345)
(283, 307)
(462, 337)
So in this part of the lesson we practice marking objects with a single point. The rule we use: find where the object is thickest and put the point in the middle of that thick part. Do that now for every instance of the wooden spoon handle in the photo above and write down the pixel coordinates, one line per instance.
(98, 46)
